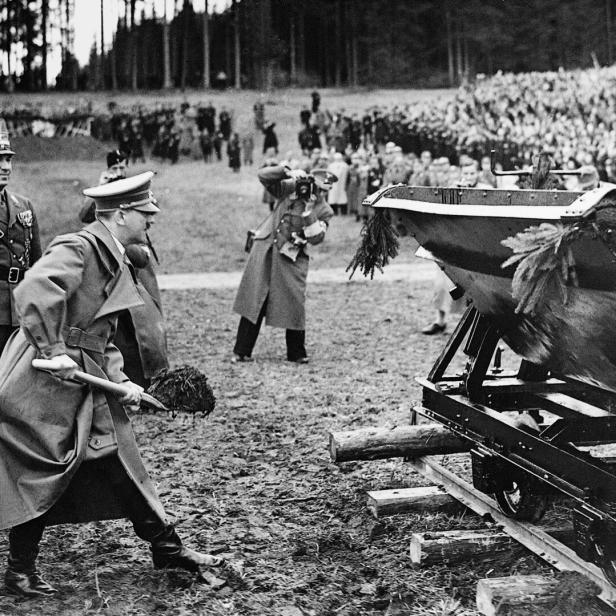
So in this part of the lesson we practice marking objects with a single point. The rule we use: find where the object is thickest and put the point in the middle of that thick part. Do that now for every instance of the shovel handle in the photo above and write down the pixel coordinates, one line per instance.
(96, 381)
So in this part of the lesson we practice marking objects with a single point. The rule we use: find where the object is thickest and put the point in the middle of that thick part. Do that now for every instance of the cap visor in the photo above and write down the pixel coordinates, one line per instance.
(149, 208)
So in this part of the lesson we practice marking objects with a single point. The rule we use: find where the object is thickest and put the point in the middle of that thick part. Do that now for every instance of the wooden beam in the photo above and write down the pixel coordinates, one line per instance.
(453, 546)
(522, 595)
(399, 442)
(408, 500)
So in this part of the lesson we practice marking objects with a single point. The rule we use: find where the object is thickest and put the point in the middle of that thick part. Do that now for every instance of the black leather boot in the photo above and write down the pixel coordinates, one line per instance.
(21, 577)
(169, 553)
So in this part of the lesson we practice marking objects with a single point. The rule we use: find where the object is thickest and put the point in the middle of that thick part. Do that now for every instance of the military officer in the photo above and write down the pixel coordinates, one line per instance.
(140, 334)
(20, 244)
(67, 451)
(273, 286)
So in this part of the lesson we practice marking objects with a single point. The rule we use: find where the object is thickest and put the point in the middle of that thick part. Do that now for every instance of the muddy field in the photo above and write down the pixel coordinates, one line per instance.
(254, 481)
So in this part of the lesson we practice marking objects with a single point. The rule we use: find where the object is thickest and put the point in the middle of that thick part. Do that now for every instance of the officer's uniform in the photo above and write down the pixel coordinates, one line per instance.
(273, 285)
(68, 452)
(20, 246)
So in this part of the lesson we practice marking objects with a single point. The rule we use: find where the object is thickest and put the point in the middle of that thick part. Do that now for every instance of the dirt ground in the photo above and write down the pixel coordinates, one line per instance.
(254, 482)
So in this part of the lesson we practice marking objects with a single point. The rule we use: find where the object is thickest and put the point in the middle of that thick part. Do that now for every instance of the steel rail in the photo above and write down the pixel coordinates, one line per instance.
(530, 536)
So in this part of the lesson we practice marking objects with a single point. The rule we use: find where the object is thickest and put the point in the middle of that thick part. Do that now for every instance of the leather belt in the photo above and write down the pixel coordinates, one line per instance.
(76, 337)
(12, 274)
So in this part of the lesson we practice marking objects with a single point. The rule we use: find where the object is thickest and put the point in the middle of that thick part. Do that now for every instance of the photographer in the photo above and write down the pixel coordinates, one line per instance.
(274, 282)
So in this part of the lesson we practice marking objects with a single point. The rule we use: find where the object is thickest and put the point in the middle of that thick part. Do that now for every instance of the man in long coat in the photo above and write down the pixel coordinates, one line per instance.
(140, 333)
(20, 244)
(67, 452)
(273, 285)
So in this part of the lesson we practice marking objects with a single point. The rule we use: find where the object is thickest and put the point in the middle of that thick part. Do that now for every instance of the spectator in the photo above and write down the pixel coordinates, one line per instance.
(234, 153)
(337, 196)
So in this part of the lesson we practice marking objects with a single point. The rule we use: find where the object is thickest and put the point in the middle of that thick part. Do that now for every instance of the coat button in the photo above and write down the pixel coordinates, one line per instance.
(96, 441)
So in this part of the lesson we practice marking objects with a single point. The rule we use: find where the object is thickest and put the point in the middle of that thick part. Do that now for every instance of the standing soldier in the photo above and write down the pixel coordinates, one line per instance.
(20, 244)
(274, 282)
(67, 452)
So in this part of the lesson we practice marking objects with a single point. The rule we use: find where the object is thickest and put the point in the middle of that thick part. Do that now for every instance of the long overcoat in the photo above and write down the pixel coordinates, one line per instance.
(269, 274)
(67, 303)
(20, 247)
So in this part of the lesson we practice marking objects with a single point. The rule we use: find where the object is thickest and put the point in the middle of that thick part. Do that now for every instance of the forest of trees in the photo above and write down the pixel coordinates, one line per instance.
(266, 43)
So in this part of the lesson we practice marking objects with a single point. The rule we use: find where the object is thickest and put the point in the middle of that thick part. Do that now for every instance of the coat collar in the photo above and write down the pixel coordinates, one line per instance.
(103, 235)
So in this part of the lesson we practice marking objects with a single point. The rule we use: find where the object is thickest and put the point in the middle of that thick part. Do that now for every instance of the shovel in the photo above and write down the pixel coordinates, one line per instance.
(95, 381)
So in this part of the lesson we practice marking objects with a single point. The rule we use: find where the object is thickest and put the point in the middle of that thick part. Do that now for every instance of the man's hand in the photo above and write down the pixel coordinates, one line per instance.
(296, 174)
(62, 366)
(132, 399)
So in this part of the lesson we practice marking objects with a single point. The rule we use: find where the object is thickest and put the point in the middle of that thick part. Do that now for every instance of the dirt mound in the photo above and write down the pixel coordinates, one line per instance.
(31, 148)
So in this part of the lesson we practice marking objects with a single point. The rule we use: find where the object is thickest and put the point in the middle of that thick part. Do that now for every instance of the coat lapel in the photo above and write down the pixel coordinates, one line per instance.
(13, 206)
(120, 290)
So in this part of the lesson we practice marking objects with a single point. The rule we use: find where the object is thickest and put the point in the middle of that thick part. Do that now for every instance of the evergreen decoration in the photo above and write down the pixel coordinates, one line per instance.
(379, 244)
(544, 263)
(183, 390)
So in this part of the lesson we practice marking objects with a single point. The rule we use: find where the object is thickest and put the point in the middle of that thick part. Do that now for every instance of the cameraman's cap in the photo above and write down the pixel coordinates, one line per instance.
(323, 178)
(116, 156)
(5, 144)
(127, 194)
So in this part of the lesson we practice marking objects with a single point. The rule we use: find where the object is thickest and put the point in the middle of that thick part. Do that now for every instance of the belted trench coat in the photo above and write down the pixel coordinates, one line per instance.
(268, 273)
(67, 303)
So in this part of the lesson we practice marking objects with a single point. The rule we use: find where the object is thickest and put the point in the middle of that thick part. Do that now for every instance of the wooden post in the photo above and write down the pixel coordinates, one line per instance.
(408, 500)
(404, 441)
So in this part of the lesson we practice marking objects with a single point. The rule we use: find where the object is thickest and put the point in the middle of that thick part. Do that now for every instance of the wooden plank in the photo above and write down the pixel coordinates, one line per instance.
(382, 443)
(453, 546)
(532, 537)
(525, 595)
(408, 500)
(567, 406)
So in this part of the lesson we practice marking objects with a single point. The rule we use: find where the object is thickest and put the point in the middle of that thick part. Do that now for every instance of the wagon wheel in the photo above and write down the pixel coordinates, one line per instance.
(604, 552)
(521, 500)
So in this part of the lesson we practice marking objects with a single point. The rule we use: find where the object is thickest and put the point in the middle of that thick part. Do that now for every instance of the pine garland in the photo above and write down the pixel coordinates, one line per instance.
(183, 390)
(379, 243)
(544, 261)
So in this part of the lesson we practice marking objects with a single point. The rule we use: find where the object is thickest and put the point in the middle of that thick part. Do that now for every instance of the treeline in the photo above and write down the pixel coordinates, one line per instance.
(266, 43)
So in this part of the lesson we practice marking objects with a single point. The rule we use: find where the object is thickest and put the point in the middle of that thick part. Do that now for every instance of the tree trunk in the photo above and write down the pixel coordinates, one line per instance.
(459, 49)
(450, 52)
(133, 47)
(101, 60)
(338, 53)
(292, 49)
(382, 443)
(166, 51)
(301, 40)
(608, 27)
(184, 71)
(44, 20)
(206, 80)
(236, 44)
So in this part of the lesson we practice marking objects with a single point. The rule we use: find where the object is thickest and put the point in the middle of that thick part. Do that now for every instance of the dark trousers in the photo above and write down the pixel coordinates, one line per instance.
(5, 334)
(248, 332)
(24, 539)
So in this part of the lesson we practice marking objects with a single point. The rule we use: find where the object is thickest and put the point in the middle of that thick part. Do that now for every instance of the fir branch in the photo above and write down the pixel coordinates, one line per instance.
(379, 243)
(544, 260)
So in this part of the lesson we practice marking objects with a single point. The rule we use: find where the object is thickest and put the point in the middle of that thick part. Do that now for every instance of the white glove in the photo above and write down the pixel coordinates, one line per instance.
(62, 366)
(132, 399)
(297, 240)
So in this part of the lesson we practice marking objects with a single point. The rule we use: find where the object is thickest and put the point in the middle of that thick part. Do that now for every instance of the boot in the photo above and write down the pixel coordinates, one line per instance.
(21, 577)
(169, 553)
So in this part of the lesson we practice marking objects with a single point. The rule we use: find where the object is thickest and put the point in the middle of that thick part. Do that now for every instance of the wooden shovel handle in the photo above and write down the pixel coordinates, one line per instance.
(96, 381)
